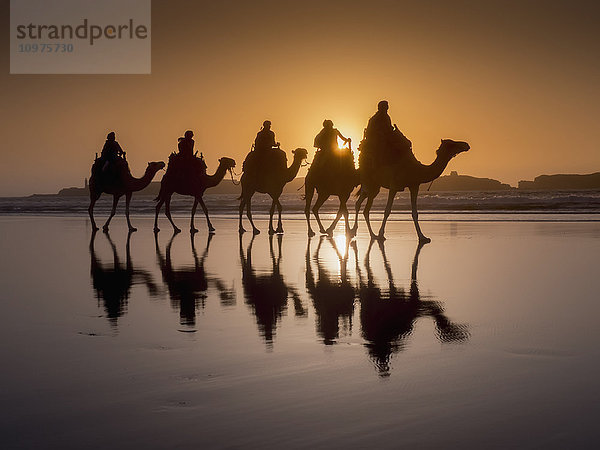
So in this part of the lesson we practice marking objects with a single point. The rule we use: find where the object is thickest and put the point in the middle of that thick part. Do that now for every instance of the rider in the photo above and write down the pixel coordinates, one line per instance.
(265, 138)
(326, 141)
(111, 150)
(186, 144)
(384, 140)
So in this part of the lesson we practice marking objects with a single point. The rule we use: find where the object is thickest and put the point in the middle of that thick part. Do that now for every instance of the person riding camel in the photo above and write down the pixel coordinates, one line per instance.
(265, 138)
(385, 142)
(186, 144)
(326, 142)
(111, 151)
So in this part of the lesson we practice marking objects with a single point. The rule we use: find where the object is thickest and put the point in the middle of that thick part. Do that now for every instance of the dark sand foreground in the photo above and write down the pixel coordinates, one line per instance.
(493, 343)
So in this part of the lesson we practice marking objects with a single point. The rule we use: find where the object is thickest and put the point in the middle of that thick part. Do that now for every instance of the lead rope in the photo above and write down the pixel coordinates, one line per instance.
(232, 180)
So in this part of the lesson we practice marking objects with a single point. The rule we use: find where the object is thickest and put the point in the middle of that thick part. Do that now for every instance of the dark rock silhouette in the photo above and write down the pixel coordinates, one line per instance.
(332, 297)
(117, 181)
(268, 177)
(406, 172)
(388, 316)
(563, 182)
(267, 293)
(455, 182)
(188, 286)
(194, 184)
(113, 283)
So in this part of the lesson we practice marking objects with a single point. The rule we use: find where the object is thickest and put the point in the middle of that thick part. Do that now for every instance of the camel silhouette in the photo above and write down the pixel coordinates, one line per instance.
(267, 294)
(388, 316)
(113, 284)
(408, 172)
(271, 183)
(334, 178)
(195, 186)
(121, 184)
(188, 286)
(332, 297)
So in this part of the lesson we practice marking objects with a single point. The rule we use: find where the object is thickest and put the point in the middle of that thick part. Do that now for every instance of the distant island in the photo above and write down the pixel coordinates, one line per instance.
(452, 182)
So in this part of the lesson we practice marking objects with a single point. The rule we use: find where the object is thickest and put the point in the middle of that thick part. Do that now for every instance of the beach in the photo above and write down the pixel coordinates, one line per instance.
(485, 337)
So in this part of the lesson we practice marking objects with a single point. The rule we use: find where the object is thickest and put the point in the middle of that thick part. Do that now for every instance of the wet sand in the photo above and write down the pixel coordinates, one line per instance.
(485, 338)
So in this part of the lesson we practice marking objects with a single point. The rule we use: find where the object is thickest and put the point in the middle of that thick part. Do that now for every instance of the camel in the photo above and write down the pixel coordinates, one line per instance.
(328, 181)
(408, 172)
(388, 315)
(271, 183)
(171, 184)
(126, 185)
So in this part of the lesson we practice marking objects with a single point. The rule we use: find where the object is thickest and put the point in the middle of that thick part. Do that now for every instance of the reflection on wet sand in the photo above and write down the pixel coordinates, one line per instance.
(267, 293)
(188, 286)
(388, 316)
(113, 284)
(332, 297)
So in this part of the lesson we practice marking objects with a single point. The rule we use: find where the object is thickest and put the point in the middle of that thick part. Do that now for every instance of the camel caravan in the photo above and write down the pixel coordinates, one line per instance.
(386, 159)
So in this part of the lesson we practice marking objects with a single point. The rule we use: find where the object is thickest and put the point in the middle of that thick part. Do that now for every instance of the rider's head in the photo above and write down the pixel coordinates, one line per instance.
(267, 124)
(111, 136)
(189, 134)
(327, 123)
(383, 106)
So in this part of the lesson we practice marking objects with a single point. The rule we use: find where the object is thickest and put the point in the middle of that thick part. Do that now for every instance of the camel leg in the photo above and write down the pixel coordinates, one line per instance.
(320, 200)
(193, 229)
(339, 215)
(211, 229)
(158, 207)
(249, 214)
(93, 199)
(361, 198)
(112, 212)
(386, 214)
(344, 209)
(414, 193)
(241, 228)
(366, 214)
(279, 223)
(168, 214)
(271, 212)
(127, 202)
(308, 196)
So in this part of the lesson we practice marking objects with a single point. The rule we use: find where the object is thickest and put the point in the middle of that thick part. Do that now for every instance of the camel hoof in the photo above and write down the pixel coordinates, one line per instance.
(156, 229)
(241, 230)
(271, 231)
(424, 240)
(193, 230)
(381, 238)
(255, 231)
(176, 230)
(132, 229)
(211, 228)
(311, 233)
(94, 229)
(279, 230)
(105, 229)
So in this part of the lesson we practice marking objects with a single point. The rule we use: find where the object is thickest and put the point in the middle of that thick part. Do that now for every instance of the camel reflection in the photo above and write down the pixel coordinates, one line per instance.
(188, 286)
(113, 284)
(333, 298)
(388, 316)
(267, 293)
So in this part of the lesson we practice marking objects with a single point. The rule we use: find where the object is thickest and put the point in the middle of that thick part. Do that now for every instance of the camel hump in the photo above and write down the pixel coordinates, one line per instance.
(265, 161)
(185, 166)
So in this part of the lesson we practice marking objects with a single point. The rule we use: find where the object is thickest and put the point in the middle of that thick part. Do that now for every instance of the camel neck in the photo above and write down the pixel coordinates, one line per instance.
(216, 178)
(435, 169)
(137, 184)
(292, 171)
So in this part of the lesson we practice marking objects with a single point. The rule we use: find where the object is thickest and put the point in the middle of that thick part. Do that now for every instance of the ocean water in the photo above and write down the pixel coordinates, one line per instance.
(484, 338)
(518, 205)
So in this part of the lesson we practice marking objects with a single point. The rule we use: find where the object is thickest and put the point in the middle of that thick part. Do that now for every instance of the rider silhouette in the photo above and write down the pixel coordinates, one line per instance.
(384, 141)
(265, 138)
(186, 144)
(326, 142)
(111, 150)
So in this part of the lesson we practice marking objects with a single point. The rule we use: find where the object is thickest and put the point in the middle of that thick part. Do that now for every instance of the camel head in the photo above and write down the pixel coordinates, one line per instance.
(449, 148)
(300, 153)
(227, 163)
(154, 167)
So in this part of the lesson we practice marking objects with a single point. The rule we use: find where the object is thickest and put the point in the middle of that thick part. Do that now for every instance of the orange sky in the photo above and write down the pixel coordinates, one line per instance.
(517, 80)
